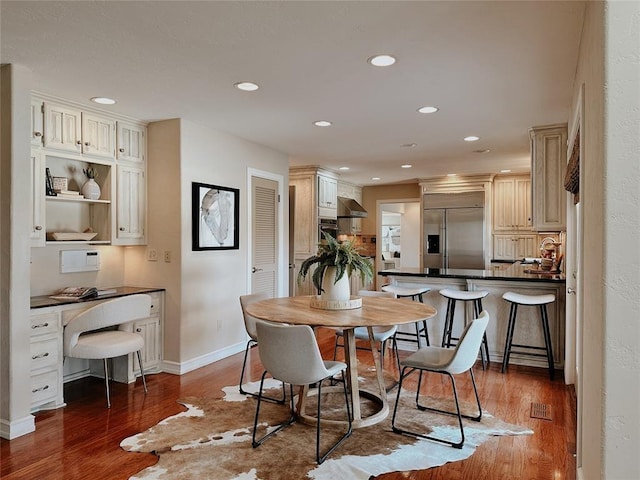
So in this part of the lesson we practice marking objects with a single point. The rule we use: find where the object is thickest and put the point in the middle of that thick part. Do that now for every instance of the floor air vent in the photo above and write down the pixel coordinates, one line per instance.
(541, 410)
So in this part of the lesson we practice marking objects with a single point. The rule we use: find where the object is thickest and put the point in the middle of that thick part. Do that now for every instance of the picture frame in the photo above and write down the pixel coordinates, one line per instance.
(215, 217)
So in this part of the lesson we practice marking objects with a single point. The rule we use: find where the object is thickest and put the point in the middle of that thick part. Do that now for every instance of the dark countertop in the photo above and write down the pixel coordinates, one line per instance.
(515, 272)
(43, 301)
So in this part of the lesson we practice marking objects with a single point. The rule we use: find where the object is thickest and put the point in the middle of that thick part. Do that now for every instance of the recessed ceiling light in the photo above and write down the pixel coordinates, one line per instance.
(471, 138)
(322, 123)
(486, 150)
(406, 165)
(451, 174)
(103, 100)
(505, 171)
(344, 168)
(246, 86)
(427, 109)
(381, 60)
(375, 178)
(409, 145)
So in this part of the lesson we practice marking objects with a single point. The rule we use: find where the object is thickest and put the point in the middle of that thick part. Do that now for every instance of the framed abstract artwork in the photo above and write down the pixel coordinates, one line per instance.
(215, 217)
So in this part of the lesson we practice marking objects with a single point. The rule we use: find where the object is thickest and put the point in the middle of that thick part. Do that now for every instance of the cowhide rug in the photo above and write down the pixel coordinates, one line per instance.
(212, 440)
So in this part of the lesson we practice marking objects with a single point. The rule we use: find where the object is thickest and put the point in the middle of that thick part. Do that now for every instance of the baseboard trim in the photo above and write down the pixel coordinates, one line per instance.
(180, 368)
(579, 474)
(17, 428)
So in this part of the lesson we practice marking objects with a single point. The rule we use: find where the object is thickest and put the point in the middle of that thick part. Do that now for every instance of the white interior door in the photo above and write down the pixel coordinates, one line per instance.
(265, 236)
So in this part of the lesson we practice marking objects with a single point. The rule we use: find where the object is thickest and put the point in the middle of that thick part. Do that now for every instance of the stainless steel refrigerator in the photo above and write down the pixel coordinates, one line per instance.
(454, 230)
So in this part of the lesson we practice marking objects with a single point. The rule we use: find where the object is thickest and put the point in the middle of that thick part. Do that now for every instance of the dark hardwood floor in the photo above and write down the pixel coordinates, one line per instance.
(81, 441)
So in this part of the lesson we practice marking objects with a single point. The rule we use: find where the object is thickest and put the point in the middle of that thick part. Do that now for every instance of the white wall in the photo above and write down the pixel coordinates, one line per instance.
(609, 194)
(203, 317)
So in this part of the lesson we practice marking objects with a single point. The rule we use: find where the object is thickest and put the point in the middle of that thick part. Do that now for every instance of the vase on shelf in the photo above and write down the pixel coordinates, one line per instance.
(91, 190)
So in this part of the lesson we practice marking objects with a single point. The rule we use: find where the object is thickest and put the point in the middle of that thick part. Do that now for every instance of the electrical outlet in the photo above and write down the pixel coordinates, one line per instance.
(167, 256)
(152, 255)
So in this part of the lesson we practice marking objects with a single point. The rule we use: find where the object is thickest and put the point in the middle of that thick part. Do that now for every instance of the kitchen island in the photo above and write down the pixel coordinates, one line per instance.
(517, 278)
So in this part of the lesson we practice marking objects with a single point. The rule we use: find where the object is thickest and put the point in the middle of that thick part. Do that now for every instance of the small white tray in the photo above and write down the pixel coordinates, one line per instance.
(62, 236)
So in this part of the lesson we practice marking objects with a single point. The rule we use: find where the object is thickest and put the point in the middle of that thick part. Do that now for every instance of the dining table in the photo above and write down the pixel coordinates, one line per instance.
(374, 312)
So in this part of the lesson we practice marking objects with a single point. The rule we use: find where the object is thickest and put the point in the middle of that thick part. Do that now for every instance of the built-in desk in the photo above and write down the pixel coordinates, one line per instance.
(496, 282)
(49, 372)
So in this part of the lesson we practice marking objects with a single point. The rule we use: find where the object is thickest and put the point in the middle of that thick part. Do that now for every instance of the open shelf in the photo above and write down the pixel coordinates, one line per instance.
(80, 200)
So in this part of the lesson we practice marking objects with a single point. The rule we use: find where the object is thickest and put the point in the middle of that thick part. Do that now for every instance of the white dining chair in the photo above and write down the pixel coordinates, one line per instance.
(250, 327)
(290, 354)
(381, 335)
(88, 335)
(450, 362)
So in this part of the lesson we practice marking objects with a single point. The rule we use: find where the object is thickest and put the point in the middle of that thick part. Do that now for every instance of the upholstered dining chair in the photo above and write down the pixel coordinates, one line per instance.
(250, 327)
(448, 362)
(380, 334)
(88, 336)
(290, 353)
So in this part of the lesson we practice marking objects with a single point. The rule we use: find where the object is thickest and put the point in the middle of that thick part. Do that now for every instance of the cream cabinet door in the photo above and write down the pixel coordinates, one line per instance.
(131, 144)
(522, 205)
(131, 206)
(98, 136)
(62, 128)
(504, 247)
(327, 192)
(37, 210)
(503, 199)
(37, 123)
(526, 246)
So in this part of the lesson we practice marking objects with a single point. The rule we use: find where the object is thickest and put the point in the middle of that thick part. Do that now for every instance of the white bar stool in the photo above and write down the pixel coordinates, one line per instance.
(415, 294)
(474, 296)
(531, 300)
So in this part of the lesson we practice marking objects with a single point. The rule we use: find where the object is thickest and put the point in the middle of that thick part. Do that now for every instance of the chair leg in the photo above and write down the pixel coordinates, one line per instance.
(244, 392)
(144, 382)
(106, 381)
(256, 443)
(510, 327)
(547, 339)
(322, 458)
(448, 323)
(484, 348)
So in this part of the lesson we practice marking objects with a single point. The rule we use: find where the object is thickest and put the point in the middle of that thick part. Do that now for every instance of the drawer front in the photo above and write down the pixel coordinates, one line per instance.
(44, 387)
(44, 354)
(44, 323)
(156, 303)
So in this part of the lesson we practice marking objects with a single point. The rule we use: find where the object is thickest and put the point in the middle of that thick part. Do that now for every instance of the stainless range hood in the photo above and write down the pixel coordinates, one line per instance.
(349, 208)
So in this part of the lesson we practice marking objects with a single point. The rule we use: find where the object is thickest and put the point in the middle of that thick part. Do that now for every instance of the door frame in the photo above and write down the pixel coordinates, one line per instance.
(282, 240)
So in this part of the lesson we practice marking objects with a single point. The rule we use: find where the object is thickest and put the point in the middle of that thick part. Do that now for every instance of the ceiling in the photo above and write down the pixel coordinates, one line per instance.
(493, 68)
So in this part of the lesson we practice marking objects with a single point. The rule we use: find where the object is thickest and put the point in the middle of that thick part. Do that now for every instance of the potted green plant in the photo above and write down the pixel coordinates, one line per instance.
(335, 258)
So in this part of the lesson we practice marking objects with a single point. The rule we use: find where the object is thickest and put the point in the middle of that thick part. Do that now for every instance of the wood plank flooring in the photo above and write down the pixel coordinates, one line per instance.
(81, 440)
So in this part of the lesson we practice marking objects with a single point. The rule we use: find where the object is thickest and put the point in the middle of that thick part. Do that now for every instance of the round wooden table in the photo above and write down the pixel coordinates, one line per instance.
(375, 312)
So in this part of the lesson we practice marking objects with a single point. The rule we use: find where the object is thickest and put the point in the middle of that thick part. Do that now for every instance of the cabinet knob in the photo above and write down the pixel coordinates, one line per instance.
(121, 229)
(78, 142)
(38, 227)
(37, 134)
(86, 144)
(121, 150)
(138, 329)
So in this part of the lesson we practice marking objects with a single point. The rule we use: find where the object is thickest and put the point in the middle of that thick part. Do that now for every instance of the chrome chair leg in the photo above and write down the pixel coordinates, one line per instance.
(106, 381)
(144, 382)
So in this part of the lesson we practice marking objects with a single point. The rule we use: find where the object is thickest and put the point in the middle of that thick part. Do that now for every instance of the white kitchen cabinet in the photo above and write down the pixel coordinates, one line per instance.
(514, 247)
(70, 129)
(37, 122)
(62, 128)
(130, 206)
(548, 165)
(327, 196)
(131, 142)
(46, 360)
(512, 204)
(37, 234)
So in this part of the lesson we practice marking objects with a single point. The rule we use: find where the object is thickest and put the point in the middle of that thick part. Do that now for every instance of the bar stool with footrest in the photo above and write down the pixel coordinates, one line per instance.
(414, 293)
(531, 300)
(474, 296)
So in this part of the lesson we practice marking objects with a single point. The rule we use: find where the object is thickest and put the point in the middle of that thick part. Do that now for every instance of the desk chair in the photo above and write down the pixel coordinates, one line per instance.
(85, 336)
(448, 362)
(290, 353)
(380, 334)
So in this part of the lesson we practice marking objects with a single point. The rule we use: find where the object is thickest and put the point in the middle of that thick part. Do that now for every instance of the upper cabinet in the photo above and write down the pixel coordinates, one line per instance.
(512, 203)
(72, 130)
(548, 164)
(131, 142)
(327, 196)
(68, 139)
